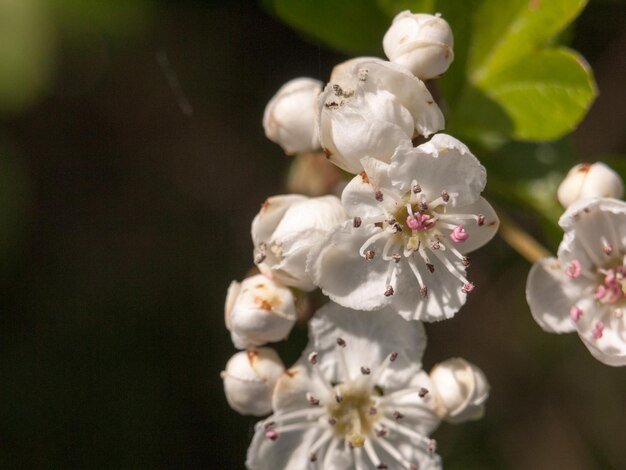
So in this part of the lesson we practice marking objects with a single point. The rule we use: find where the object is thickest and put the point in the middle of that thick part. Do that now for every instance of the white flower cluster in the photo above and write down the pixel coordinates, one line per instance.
(583, 289)
(390, 252)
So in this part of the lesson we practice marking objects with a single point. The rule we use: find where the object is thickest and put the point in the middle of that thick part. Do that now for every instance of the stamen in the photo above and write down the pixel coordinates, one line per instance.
(416, 188)
(420, 439)
(423, 392)
(468, 287)
(271, 435)
(453, 270)
(575, 313)
(459, 234)
(379, 196)
(365, 370)
(341, 342)
(397, 415)
(356, 222)
(481, 220)
(369, 255)
(598, 330)
(371, 453)
(424, 292)
(416, 272)
(445, 196)
(369, 241)
(395, 453)
(313, 357)
(322, 440)
(311, 399)
(573, 269)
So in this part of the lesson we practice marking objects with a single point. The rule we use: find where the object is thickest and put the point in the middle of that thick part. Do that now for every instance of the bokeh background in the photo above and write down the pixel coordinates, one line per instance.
(132, 160)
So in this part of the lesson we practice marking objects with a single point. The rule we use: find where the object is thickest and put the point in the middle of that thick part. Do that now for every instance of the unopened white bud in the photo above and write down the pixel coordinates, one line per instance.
(590, 180)
(258, 311)
(461, 390)
(286, 229)
(289, 117)
(249, 380)
(422, 43)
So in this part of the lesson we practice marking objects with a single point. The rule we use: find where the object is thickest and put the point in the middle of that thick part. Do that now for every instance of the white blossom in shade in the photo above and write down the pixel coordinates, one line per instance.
(589, 180)
(584, 288)
(249, 380)
(420, 42)
(258, 311)
(357, 399)
(412, 223)
(461, 390)
(284, 231)
(371, 110)
(290, 116)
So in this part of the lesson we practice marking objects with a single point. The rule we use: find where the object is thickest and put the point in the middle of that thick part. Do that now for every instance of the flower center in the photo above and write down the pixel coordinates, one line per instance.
(354, 413)
(613, 285)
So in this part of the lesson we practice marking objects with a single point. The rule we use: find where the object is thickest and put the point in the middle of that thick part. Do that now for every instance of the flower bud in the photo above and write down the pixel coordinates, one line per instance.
(312, 174)
(462, 390)
(286, 229)
(258, 311)
(422, 43)
(373, 107)
(589, 180)
(289, 117)
(249, 380)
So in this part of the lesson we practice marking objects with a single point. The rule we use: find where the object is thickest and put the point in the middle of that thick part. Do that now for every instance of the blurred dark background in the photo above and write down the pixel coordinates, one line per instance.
(132, 160)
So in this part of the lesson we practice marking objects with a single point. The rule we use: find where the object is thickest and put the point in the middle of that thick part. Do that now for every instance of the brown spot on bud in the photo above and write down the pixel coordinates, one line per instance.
(364, 177)
(265, 305)
(327, 153)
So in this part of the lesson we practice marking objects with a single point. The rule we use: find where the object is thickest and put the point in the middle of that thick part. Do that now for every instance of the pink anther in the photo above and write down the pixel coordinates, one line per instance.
(459, 234)
(420, 222)
(598, 330)
(573, 270)
(575, 313)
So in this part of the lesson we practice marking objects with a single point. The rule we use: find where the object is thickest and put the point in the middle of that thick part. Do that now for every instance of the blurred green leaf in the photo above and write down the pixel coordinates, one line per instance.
(545, 96)
(355, 27)
(544, 91)
(27, 53)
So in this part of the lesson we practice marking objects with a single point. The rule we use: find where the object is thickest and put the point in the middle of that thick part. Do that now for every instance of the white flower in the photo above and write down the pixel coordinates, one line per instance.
(461, 389)
(258, 311)
(290, 116)
(414, 221)
(422, 43)
(284, 231)
(371, 110)
(584, 289)
(589, 180)
(249, 380)
(356, 399)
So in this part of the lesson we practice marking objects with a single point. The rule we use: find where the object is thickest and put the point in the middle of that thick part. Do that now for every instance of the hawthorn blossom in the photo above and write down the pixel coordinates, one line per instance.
(356, 399)
(370, 110)
(583, 289)
(284, 231)
(413, 221)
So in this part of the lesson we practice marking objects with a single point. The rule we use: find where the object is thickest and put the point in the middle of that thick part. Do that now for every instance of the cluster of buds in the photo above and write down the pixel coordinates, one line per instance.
(389, 248)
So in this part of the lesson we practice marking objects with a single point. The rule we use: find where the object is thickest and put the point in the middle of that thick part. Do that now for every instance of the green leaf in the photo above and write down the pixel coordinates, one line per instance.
(506, 31)
(544, 96)
(393, 7)
(355, 27)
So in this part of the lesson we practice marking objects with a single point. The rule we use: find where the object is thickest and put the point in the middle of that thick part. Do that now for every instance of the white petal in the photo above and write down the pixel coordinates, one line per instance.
(479, 235)
(336, 266)
(410, 92)
(444, 298)
(549, 296)
(370, 337)
(270, 215)
(443, 163)
(289, 452)
(611, 348)
(359, 198)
